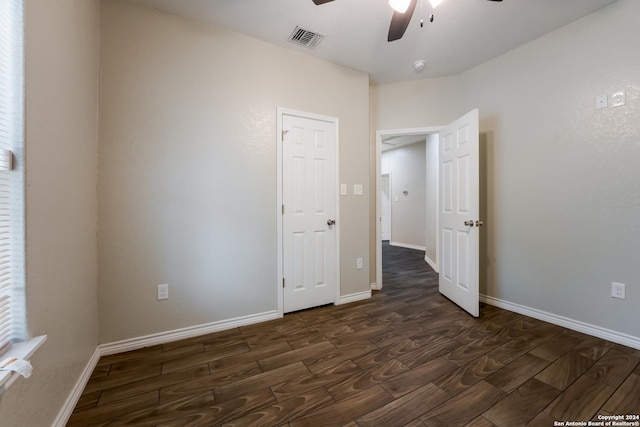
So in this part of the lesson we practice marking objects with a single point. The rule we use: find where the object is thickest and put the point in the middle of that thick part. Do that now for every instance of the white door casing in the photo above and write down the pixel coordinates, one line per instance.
(309, 204)
(385, 200)
(380, 134)
(459, 212)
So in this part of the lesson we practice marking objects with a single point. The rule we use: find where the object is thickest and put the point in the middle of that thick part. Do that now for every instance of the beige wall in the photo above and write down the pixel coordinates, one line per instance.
(62, 57)
(562, 178)
(187, 172)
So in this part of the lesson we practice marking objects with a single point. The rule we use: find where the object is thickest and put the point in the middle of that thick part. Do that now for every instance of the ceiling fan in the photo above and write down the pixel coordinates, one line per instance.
(400, 19)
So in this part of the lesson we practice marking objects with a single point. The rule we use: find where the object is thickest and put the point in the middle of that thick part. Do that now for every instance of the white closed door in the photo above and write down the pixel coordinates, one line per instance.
(459, 212)
(309, 224)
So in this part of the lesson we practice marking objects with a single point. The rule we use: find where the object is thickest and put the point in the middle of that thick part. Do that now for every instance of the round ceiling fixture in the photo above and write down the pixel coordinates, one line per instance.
(419, 65)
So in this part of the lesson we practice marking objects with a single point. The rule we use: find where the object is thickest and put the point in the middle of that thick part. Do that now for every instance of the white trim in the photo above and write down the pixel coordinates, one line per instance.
(379, 191)
(374, 287)
(183, 333)
(379, 135)
(72, 400)
(279, 198)
(431, 263)
(358, 296)
(408, 246)
(565, 322)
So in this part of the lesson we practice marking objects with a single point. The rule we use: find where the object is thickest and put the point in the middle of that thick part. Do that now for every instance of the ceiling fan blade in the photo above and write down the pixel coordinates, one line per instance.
(400, 22)
(319, 2)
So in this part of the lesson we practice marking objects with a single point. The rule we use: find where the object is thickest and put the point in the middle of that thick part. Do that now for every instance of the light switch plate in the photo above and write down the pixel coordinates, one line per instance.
(358, 190)
(163, 291)
(343, 189)
(601, 102)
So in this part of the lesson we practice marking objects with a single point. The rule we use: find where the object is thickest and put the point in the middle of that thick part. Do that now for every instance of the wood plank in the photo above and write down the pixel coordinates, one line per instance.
(222, 412)
(364, 379)
(206, 357)
(251, 356)
(415, 378)
(102, 414)
(202, 384)
(566, 369)
(150, 417)
(341, 413)
(405, 409)
(154, 383)
(521, 406)
(580, 401)
(614, 367)
(517, 372)
(336, 356)
(626, 400)
(109, 381)
(471, 351)
(263, 380)
(290, 409)
(461, 378)
(385, 354)
(429, 350)
(467, 405)
(297, 355)
(555, 347)
(322, 378)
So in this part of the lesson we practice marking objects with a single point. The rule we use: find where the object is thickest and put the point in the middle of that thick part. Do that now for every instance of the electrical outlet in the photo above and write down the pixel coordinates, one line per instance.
(617, 290)
(163, 292)
(618, 99)
(359, 263)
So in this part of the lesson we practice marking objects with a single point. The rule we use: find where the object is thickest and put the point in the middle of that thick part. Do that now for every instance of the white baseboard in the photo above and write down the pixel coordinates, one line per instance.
(375, 287)
(408, 246)
(359, 296)
(431, 263)
(183, 333)
(576, 325)
(146, 341)
(67, 408)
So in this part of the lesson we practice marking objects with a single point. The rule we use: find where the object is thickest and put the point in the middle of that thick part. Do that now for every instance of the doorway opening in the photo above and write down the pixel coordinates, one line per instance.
(412, 227)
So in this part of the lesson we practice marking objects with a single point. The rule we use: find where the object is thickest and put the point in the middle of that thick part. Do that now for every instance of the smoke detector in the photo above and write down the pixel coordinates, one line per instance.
(419, 65)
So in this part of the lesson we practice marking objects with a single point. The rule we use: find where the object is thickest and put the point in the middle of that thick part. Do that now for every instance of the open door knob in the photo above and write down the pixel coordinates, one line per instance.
(331, 222)
(469, 223)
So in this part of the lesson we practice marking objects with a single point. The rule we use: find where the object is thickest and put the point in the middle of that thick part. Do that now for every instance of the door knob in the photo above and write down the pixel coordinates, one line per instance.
(469, 223)
(331, 222)
(479, 223)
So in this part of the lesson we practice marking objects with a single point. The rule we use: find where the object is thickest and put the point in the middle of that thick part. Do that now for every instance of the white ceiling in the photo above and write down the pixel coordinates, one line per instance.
(465, 33)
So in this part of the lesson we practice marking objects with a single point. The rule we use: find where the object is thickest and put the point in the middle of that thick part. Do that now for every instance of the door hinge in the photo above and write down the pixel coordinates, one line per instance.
(284, 132)
(282, 209)
(283, 282)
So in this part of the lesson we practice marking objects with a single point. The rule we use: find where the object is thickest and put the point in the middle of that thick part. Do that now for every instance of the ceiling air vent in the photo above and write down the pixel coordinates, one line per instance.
(305, 37)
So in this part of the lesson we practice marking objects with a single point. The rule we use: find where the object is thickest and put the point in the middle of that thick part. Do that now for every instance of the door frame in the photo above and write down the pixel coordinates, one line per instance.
(390, 204)
(380, 134)
(281, 111)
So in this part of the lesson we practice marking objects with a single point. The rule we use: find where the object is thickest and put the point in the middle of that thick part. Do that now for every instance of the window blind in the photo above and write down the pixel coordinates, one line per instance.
(12, 312)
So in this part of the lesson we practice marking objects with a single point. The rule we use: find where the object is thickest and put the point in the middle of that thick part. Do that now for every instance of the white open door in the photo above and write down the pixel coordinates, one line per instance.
(309, 210)
(459, 212)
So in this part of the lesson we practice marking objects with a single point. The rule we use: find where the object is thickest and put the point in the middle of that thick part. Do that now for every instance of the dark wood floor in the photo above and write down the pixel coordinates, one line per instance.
(406, 357)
